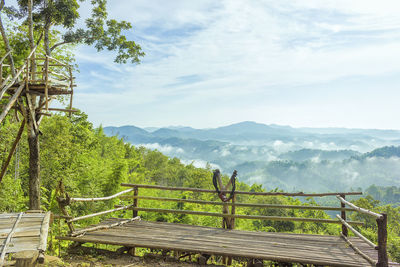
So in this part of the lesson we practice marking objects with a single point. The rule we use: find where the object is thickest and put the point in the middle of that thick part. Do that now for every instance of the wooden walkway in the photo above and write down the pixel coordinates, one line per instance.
(308, 249)
(23, 232)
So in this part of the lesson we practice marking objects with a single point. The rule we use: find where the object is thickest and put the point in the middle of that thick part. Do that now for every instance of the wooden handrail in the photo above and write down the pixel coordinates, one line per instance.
(274, 206)
(357, 250)
(361, 210)
(357, 233)
(78, 199)
(240, 216)
(299, 194)
(98, 213)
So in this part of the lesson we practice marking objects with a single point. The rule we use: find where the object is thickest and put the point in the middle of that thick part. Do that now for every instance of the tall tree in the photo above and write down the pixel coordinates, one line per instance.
(101, 32)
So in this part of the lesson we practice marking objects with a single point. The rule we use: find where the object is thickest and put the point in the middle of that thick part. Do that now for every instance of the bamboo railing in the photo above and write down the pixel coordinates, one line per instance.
(345, 206)
(381, 220)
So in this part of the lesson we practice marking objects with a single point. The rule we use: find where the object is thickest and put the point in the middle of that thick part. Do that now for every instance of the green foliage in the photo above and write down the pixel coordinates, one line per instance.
(385, 194)
(92, 165)
(393, 214)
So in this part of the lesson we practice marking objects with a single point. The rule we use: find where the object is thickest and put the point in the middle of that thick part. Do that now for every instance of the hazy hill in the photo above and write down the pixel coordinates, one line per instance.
(282, 156)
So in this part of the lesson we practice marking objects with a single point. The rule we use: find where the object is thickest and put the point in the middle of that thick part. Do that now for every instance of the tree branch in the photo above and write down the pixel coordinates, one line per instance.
(60, 43)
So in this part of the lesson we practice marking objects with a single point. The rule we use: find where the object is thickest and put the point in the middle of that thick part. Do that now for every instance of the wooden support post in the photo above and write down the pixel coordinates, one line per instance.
(72, 90)
(46, 86)
(26, 258)
(233, 211)
(27, 75)
(63, 204)
(1, 73)
(135, 201)
(382, 241)
(345, 232)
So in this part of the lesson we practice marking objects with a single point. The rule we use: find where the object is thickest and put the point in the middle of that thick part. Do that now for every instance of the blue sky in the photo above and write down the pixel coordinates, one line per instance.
(302, 63)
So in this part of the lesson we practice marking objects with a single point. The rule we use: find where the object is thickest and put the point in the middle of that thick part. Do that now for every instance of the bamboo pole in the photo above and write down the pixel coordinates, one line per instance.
(356, 233)
(11, 102)
(237, 204)
(361, 210)
(251, 217)
(98, 213)
(11, 153)
(357, 250)
(46, 85)
(102, 226)
(299, 194)
(93, 199)
(72, 91)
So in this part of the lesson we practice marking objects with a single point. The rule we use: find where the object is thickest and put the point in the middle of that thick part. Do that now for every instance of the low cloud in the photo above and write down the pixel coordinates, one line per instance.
(165, 149)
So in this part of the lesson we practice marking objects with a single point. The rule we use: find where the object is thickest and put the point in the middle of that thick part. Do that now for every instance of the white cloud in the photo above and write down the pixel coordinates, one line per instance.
(268, 59)
(165, 149)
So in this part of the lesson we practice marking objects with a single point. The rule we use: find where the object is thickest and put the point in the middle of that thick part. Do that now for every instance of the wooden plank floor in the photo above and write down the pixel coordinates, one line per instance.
(311, 249)
(28, 231)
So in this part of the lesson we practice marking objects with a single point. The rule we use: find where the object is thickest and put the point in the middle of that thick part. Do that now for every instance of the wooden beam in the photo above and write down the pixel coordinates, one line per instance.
(11, 153)
(361, 210)
(62, 110)
(300, 194)
(93, 199)
(358, 251)
(254, 205)
(103, 226)
(98, 213)
(11, 102)
(357, 233)
(251, 217)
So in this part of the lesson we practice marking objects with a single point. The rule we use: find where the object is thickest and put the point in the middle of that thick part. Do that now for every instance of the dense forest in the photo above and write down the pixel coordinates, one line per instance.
(92, 164)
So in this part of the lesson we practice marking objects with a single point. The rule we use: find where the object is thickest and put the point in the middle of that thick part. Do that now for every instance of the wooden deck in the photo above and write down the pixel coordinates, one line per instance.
(308, 249)
(25, 232)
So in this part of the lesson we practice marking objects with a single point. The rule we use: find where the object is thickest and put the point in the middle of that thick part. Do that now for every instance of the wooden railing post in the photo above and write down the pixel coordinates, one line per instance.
(46, 86)
(71, 85)
(135, 201)
(382, 241)
(233, 212)
(343, 216)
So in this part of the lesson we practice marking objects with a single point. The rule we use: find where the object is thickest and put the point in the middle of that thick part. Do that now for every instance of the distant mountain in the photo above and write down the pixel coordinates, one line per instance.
(383, 152)
(318, 155)
(307, 159)
(130, 133)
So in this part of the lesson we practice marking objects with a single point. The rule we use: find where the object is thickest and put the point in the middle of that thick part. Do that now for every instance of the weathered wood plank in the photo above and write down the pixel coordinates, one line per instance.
(310, 249)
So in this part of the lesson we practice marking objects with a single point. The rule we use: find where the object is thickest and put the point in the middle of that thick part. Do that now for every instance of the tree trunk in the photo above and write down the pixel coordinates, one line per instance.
(6, 42)
(47, 38)
(34, 167)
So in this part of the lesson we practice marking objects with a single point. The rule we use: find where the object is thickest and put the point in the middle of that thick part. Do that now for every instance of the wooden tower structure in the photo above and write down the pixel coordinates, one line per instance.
(29, 92)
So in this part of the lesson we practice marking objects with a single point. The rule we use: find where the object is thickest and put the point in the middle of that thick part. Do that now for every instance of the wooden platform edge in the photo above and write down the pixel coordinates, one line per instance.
(203, 251)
